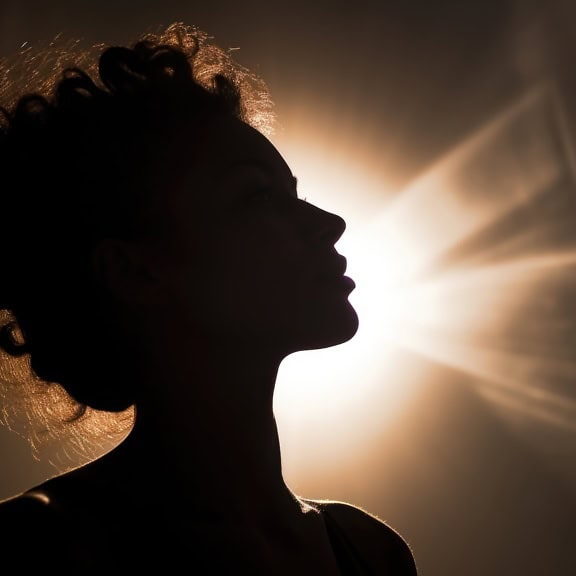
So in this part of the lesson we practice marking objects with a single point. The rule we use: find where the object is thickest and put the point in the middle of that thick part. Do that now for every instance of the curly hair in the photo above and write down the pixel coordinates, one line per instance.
(81, 140)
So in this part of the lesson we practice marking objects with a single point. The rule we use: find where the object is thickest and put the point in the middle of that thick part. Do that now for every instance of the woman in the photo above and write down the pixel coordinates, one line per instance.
(159, 258)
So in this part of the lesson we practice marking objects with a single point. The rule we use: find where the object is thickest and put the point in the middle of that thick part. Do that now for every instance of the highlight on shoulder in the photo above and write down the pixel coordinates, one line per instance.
(377, 545)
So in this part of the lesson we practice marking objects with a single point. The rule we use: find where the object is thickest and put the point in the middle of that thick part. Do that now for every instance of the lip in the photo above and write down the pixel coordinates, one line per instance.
(348, 282)
(332, 268)
(333, 271)
(344, 283)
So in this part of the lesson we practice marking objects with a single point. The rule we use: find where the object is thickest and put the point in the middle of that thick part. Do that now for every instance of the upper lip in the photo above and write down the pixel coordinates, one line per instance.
(333, 267)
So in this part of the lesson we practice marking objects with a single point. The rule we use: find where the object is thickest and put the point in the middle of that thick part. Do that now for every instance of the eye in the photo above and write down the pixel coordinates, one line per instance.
(258, 196)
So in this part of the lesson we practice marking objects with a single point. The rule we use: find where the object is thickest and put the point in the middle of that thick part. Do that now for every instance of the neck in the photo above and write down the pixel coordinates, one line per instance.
(213, 441)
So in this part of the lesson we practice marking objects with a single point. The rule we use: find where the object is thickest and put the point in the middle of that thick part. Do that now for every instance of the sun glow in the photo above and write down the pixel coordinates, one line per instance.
(470, 266)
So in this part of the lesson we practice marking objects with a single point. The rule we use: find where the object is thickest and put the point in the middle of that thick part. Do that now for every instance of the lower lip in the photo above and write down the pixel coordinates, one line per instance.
(349, 282)
(344, 282)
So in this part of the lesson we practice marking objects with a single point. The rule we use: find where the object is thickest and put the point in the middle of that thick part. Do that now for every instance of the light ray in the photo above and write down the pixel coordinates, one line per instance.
(446, 268)
(441, 314)
(483, 296)
(505, 165)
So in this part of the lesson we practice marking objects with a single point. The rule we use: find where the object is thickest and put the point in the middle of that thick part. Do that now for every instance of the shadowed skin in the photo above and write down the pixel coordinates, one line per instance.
(236, 274)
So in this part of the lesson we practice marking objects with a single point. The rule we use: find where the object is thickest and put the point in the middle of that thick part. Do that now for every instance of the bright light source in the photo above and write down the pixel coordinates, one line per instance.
(442, 270)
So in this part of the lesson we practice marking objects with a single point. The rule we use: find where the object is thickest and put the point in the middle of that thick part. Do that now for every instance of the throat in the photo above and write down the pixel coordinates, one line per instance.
(222, 466)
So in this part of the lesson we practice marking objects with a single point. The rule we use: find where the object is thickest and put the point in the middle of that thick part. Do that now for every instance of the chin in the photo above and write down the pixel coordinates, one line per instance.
(344, 330)
(331, 330)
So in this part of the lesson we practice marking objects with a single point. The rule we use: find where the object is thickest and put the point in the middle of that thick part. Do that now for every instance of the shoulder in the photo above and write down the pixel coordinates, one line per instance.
(27, 523)
(29, 510)
(41, 533)
(34, 504)
(382, 547)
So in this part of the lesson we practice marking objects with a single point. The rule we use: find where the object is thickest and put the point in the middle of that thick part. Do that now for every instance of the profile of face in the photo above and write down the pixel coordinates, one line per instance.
(243, 259)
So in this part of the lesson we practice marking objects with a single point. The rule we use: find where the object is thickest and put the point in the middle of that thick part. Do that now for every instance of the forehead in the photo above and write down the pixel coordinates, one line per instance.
(228, 144)
(211, 161)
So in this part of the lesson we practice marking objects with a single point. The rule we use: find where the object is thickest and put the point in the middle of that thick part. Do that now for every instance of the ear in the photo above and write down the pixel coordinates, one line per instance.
(124, 270)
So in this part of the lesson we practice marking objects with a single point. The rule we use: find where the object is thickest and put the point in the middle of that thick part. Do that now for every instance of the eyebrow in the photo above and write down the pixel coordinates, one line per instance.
(259, 166)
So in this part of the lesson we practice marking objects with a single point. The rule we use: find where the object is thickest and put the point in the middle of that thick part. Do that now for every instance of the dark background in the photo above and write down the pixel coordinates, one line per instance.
(476, 487)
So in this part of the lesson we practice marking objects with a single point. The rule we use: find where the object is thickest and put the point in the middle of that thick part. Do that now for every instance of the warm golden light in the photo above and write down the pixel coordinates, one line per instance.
(449, 269)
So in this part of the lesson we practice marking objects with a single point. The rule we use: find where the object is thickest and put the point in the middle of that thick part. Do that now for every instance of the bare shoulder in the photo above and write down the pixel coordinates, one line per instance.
(40, 535)
(382, 547)
(30, 509)
(27, 524)
(31, 505)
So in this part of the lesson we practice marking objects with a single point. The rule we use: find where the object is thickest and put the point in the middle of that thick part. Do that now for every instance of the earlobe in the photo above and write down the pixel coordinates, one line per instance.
(123, 270)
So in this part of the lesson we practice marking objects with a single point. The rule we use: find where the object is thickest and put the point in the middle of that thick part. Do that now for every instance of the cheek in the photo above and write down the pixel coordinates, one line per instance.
(263, 281)
(243, 283)
(259, 284)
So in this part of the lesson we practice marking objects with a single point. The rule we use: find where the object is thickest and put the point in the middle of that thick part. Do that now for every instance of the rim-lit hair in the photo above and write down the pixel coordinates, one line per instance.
(84, 144)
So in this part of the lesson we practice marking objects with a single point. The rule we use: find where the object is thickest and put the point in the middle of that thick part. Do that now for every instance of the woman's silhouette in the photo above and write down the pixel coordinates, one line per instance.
(159, 257)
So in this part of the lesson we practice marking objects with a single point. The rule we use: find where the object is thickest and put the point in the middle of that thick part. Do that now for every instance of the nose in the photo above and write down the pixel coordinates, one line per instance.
(327, 227)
